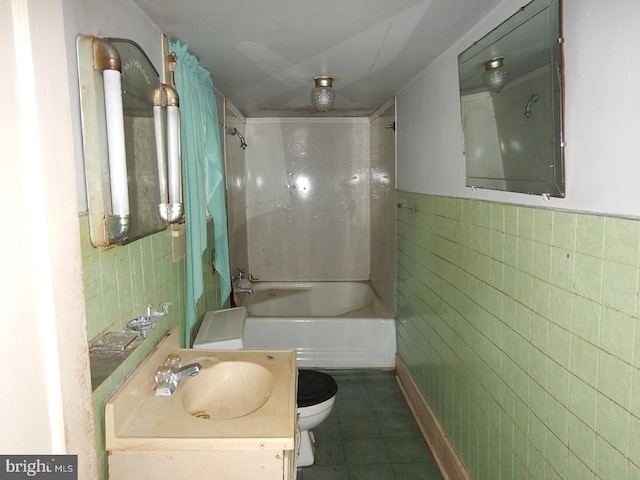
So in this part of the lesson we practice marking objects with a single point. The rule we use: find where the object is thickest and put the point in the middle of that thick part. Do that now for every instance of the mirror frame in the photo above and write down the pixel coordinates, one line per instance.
(140, 142)
(514, 159)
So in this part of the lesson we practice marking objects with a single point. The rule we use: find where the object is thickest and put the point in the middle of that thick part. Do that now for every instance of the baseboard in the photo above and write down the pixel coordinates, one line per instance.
(443, 452)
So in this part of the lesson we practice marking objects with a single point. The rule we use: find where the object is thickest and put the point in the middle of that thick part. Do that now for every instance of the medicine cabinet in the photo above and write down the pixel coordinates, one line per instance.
(130, 128)
(511, 94)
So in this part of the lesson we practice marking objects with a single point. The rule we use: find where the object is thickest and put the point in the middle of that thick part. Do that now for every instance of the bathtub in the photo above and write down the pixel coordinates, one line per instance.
(329, 324)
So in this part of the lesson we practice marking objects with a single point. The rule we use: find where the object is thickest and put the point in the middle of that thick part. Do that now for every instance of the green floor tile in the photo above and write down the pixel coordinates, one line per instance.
(329, 451)
(365, 451)
(392, 426)
(417, 471)
(371, 472)
(359, 427)
(371, 433)
(409, 449)
(320, 472)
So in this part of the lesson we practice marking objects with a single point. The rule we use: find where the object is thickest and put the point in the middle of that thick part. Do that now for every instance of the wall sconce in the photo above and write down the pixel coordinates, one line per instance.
(166, 116)
(323, 94)
(495, 75)
(107, 60)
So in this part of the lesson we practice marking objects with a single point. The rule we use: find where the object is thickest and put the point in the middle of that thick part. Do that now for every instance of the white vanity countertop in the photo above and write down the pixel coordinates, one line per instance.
(136, 419)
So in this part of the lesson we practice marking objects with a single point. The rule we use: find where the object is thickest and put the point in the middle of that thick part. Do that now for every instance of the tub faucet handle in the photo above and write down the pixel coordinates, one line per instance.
(239, 273)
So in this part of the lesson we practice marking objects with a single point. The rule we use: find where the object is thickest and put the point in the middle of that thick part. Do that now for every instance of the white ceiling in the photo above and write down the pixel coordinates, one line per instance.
(263, 54)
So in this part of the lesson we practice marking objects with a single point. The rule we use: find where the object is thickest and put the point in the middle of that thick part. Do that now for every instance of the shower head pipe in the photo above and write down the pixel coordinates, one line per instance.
(234, 131)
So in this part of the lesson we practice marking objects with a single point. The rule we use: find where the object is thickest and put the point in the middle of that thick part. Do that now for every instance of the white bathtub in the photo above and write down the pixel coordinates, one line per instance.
(329, 324)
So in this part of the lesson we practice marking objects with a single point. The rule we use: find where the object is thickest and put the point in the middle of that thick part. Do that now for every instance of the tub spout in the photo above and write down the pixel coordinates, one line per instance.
(241, 290)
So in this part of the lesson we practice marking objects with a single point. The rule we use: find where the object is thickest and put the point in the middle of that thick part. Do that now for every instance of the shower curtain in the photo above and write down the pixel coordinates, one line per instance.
(202, 160)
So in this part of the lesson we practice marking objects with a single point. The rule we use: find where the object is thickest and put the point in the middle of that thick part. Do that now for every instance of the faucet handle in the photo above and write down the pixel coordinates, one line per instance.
(165, 381)
(172, 361)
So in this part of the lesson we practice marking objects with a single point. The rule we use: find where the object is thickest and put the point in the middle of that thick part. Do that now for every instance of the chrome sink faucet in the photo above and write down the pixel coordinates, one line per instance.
(190, 370)
(169, 375)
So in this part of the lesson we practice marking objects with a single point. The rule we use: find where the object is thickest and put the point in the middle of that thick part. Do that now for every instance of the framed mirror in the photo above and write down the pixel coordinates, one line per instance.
(511, 93)
(138, 81)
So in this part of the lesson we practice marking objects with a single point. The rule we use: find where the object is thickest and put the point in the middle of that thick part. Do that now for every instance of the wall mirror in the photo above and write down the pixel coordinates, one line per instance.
(511, 85)
(136, 201)
(139, 84)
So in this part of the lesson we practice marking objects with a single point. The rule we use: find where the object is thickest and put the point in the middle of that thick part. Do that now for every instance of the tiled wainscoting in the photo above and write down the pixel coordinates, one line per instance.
(519, 326)
(119, 283)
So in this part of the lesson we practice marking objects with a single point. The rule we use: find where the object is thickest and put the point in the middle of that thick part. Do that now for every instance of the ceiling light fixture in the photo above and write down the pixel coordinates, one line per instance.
(495, 75)
(323, 94)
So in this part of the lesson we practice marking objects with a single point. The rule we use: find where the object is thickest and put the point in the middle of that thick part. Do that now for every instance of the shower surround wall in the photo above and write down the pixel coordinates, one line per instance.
(308, 211)
(383, 204)
(236, 181)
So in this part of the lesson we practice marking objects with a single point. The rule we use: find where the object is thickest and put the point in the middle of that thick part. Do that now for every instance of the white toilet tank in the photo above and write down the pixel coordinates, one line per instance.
(222, 330)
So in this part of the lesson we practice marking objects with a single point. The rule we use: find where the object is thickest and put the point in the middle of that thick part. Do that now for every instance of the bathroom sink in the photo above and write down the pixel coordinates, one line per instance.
(248, 396)
(228, 389)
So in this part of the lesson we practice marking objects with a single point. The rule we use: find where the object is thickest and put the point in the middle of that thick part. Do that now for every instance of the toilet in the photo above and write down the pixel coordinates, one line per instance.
(224, 329)
(316, 396)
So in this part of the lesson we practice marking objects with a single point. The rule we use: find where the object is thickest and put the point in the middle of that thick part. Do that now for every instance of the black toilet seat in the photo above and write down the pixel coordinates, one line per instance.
(315, 387)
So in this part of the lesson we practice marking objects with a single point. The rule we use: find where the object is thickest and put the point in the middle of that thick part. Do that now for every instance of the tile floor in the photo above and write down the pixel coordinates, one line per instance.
(370, 434)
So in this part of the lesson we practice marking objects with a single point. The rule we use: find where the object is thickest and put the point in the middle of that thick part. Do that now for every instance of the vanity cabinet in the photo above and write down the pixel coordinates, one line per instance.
(201, 465)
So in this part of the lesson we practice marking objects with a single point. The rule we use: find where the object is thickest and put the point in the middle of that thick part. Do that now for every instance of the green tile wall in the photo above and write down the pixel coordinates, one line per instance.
(119, 283)
(519, 326)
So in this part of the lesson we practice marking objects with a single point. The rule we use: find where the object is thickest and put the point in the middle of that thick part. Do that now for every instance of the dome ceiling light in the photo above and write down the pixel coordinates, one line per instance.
(323, 94)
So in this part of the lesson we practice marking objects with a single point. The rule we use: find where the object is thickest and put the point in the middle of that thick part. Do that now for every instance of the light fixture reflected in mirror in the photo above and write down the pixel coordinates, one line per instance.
(323, 94)
(166, 115)
(514, 141)
(495, 75)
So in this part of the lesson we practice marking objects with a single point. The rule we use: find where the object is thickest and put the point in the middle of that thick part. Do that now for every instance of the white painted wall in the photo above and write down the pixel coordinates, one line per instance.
(602, 121)
(115, 18)
(45, 406)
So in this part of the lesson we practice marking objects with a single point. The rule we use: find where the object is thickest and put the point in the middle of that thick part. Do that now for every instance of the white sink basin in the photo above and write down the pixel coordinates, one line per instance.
(249, 397)
(228, 389)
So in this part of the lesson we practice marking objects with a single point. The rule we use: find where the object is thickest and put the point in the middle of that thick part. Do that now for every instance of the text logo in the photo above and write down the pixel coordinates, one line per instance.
(49, 467)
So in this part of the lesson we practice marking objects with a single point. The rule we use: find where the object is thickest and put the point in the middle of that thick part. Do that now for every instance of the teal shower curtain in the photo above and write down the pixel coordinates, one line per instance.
(203, 177)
